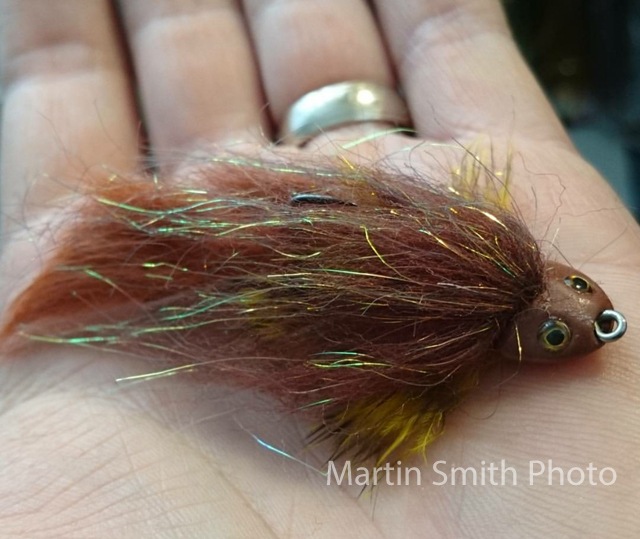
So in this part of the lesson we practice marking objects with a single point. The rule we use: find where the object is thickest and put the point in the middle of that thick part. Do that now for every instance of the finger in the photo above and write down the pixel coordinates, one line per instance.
(67, 103)
(196, 72)
(303, 46)
(462, 72)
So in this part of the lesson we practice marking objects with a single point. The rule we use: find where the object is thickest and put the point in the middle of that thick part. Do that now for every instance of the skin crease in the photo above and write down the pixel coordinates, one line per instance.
(84, 457)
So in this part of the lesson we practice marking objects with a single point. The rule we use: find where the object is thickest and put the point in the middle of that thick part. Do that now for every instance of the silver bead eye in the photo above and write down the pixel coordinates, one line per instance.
(579, 284)
(554, 335)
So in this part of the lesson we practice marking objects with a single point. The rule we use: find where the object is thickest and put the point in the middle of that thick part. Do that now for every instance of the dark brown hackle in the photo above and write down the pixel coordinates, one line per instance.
(403, 287)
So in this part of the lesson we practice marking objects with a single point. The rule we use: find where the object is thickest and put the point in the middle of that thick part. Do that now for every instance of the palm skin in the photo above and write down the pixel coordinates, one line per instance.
(84, 456)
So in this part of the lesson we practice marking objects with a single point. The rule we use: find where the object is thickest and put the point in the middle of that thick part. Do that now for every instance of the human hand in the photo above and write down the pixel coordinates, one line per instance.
(86, 458)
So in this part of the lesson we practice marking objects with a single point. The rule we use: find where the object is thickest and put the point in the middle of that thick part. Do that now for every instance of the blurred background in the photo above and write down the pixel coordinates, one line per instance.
(586, 55)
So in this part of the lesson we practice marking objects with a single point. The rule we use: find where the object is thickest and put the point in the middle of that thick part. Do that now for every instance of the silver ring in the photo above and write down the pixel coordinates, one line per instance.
(618, 329)
(342, 104)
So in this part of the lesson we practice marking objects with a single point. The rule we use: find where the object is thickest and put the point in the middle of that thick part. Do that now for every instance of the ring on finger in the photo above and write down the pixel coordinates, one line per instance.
(341, 104)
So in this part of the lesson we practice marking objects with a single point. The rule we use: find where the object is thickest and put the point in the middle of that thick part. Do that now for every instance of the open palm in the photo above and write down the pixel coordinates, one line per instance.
(84, 456)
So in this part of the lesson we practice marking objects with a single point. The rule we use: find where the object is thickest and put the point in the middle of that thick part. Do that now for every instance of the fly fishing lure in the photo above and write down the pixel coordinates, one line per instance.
(369, 301)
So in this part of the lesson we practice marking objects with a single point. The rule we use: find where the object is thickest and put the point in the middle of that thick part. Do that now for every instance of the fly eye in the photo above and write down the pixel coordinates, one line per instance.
(554, 335)
(578, 283)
